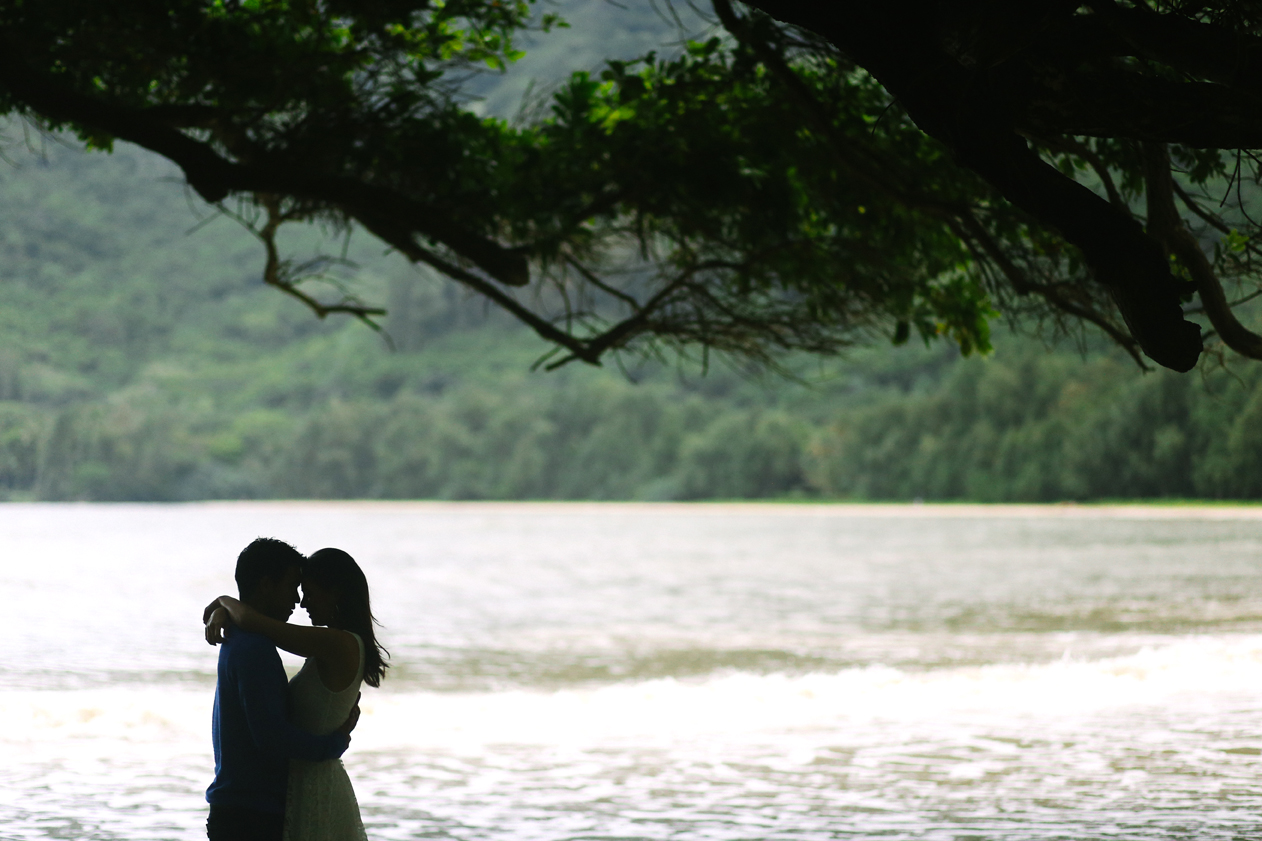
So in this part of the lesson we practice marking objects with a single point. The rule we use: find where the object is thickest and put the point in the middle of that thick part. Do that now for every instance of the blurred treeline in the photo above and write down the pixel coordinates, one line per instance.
(139, 361)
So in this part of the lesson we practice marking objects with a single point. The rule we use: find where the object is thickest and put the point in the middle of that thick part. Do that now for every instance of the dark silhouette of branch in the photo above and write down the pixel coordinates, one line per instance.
(1167, 226)
(278, 273)
(1200, 48)
(215, 177)
(898, 43)
(973, 233)
(1082, 150)
(858, 163)
(594, 280)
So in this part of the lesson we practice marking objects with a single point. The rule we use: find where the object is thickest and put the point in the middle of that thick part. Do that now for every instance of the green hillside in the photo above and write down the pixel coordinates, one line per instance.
(142, 359)
(139, 361)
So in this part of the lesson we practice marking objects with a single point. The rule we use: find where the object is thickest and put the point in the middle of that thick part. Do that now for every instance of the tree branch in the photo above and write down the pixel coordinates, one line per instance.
(858, 163)
(591, 278)
(903, 50)
(1167, 226)
(1082, 150)
(1198, 48)
(976, 236)
(402, 241)
(214, 177)
(1108, 101)
(275, 273)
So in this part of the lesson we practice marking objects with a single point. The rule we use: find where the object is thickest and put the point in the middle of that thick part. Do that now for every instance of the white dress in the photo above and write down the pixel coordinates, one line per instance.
(320, 804)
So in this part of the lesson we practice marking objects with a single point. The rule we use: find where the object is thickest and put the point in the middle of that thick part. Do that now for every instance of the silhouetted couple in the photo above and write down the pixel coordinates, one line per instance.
(277, 745)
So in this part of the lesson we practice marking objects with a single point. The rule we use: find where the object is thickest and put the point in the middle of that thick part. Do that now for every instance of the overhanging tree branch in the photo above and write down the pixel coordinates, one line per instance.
(742, 173)
(278, 274)
(214, 177)
(903, 51)
(1167, 226)
(1216, 53)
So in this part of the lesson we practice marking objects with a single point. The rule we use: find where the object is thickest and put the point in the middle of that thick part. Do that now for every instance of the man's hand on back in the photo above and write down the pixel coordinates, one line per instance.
(351, 720)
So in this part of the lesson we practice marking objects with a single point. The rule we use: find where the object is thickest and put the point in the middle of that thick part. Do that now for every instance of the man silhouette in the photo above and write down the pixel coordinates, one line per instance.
(253, 739)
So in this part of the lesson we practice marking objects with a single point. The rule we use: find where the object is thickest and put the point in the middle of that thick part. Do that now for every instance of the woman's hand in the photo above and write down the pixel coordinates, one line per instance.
(240, 612)
(210, 608)
(216, 620)
(224, 610)
(243, 616)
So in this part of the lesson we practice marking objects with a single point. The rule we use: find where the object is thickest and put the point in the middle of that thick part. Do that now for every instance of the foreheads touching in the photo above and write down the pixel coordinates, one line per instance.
(268, 572)
(320, 602)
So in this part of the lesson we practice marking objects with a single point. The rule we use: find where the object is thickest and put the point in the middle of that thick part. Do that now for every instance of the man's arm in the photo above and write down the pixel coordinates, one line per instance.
(261, 684)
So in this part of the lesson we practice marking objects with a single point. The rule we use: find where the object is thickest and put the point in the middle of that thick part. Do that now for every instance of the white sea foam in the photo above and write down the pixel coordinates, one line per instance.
(1077, 743)
(1202, 670)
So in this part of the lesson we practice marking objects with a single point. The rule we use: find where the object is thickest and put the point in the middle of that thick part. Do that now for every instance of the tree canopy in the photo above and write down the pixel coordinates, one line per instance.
(808, 176)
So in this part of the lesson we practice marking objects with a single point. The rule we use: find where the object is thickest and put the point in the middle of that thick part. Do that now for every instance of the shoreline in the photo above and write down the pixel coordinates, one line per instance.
(1128, 510)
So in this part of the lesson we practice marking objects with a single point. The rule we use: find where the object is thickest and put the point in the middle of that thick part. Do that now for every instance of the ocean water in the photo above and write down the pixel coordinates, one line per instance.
(670, 671)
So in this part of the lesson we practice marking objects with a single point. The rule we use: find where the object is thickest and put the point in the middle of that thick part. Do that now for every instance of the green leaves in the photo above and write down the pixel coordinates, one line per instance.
(1236, 241)
(773, 239)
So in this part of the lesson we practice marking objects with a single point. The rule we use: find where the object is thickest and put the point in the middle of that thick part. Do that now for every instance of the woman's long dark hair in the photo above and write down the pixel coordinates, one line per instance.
(337, 571)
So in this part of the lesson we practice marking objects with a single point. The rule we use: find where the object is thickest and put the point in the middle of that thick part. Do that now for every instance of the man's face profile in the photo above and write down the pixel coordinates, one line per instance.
(276, 597)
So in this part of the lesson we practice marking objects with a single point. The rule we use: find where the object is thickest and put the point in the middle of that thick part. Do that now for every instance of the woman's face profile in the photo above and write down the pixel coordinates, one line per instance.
(320, 603)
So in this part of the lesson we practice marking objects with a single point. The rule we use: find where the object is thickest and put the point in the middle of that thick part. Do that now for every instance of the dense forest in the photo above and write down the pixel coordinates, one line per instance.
(141, 358)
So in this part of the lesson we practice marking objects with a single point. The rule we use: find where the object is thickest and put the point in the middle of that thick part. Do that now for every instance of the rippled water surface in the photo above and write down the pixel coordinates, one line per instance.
(671, 671)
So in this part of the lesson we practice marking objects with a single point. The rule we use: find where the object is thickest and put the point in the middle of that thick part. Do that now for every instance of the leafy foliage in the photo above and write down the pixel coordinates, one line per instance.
(759, 193)
(755, 232)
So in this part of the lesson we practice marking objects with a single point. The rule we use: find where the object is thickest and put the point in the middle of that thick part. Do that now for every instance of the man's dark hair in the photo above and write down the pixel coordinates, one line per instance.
(265, 557)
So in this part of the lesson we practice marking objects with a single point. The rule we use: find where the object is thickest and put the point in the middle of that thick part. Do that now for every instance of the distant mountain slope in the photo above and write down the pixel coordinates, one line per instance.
(141, 361)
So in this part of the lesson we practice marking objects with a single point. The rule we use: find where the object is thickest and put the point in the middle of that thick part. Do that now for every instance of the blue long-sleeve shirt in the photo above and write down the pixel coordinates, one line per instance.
(253, 740)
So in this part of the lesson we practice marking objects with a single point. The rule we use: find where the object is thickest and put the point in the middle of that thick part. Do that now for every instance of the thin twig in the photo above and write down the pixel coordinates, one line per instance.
(591, 278)
(274, 274)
